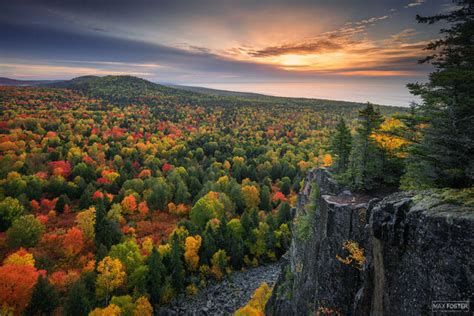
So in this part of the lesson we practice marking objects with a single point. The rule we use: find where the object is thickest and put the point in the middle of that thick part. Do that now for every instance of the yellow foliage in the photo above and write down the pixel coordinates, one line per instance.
(191, 257)
(226, 165)
(356, 254)
(20, 258)
(256, 305)
(111, 310)
(219, 262)
(143, 307)
(86, 221)
(164, 249)
(238, 160)
(390, 143)
(191, 290)
(147, 245)
(304, 165)
(251, 196)
(111, 276)
(327, 160)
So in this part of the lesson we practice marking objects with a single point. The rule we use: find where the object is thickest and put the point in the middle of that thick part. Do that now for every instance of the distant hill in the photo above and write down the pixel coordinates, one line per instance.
(114, 87)
(15, 82)
(125, 90)
(225, 93)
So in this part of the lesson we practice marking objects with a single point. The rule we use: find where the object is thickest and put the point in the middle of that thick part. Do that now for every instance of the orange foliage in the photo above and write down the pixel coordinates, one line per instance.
(278, 196)
(143, 209)
(327, 160)
(129, 204)
(73, 241)
(191, 257)
(16, 285)
(61, 279)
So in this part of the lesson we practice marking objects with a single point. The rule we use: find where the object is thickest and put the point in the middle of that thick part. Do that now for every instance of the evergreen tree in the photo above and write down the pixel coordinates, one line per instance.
(366, 159)
(61, 203)
(176, 265)
(155, 276)
(285, 186)
(341, 146)
(182, 194)
(44, 298)
(284, 213)
(78, 302)
(265, 202)
(208, 247)
(107, 232)
(445, 154)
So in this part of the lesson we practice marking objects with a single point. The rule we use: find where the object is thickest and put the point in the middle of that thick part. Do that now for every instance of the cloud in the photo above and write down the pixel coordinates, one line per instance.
(372, 20)
(312, 46)
(415, 3)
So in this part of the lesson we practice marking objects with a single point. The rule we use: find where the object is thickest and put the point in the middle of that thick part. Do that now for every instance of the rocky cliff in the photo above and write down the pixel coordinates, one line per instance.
(390, 256)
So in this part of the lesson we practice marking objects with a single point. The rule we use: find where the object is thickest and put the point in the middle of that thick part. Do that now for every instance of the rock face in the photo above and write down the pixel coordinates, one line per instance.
(416, 250)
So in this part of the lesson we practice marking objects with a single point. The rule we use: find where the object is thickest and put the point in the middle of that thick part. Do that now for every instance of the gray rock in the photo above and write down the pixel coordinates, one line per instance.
(416, 252)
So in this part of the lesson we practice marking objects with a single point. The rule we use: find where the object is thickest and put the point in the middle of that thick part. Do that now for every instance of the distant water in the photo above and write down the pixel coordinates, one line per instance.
(384, 92)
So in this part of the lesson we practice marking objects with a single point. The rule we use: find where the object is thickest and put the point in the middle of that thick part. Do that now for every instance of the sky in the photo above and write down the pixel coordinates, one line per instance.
(340, 49)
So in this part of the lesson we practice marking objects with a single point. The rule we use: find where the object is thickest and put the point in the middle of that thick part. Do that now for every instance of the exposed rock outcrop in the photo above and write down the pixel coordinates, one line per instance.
(416, 250)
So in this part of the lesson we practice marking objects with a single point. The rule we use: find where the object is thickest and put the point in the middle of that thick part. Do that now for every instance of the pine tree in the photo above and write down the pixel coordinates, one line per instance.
(78, 302)
(366, 163)
(176, 265)
(445, 155)
(208, 247)
(44, 298)
(341, 146)
(155, 276)
(265, 203)
(284, 213)
(107, 232)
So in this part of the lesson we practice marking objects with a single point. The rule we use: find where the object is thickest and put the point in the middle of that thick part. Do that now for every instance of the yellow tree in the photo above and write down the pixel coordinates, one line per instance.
(327, 160)
(111, 310)
(386, 139)
(256, 305)
(86, 222)
(143, 307)
(111, 276)
(20, 258)
(191, 257)
(251, 196)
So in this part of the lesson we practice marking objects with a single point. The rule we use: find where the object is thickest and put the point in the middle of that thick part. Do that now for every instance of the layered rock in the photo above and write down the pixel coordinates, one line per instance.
(416, 250)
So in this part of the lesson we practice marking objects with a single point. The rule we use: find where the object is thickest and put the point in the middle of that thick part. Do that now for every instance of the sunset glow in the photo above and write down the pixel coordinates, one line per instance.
(211, 41)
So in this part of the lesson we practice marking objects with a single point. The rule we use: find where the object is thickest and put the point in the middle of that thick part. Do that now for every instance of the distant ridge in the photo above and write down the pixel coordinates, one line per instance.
(125, 89)
(216, 91)
(18, 83)
(118, 89)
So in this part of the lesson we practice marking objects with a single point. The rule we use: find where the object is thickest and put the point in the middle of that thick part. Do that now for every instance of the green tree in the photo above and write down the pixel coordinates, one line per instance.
(341, 146)
(128, 253)
(444, 156)
(208, 207)
(284, 213)
(265, 199)
(155, 277)
(44, 298)
(159, 195)
(285, 185)
(25, 232)
(107, 232)
(10, 209)
(78, 301)
(365, 161)
(176, 265)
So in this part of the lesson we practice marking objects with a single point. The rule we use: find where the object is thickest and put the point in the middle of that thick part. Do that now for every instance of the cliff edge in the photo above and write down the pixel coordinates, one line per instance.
(393, 256)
